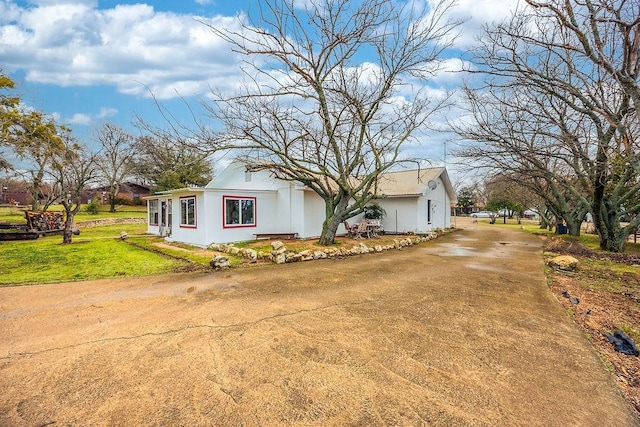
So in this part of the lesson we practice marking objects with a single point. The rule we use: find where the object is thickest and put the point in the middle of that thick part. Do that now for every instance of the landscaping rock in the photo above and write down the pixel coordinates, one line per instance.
(564, 262)
(250, 254)
(319, 255)
(277, 246)
(219, 262)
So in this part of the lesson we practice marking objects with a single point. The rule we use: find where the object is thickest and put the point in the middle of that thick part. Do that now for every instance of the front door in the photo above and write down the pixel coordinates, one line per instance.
(165, 217)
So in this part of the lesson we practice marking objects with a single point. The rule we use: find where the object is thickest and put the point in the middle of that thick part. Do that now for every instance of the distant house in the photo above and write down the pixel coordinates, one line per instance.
(238, 204)
(13, 192)
(129, 191)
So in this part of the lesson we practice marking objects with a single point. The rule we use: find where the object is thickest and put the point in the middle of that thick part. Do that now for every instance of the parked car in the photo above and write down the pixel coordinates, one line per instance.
(483, 214)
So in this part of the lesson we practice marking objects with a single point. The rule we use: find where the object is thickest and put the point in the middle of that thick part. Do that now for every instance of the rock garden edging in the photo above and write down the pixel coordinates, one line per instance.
(280, 254)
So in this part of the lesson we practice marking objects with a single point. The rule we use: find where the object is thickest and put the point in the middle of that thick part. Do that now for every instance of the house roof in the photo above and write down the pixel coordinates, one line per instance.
(123, 187)
(413, 182)
(406, 183)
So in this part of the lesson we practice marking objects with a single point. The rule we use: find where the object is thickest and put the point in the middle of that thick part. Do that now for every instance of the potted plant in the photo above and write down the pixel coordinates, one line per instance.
(374, 211)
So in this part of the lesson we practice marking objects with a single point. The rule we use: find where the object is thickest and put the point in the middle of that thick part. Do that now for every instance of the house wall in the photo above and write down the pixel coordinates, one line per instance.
(286, 207)
(401, 214)
(440, 209)
(314, 214)
(197, 235)
(266, 205)
(411, 211)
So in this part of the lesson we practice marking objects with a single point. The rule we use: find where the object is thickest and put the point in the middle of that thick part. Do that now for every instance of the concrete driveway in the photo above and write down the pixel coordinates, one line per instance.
(461, 331)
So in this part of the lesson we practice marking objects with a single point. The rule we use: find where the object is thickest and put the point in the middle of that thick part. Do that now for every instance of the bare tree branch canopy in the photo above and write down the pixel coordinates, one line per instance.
(311, 110)
(71, 170)
(115, 159)
(558, 104)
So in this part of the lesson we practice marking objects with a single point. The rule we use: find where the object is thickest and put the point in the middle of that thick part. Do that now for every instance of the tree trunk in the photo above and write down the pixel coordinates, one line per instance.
(329, 229)
(114, 188)
(68, 226)
(335, 214)
(612, 236)
(68, 223)
(573, 226)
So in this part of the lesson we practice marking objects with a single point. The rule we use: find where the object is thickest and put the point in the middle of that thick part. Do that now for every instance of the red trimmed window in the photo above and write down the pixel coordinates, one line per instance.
(239, 211)
(153, 212)
(188, 211)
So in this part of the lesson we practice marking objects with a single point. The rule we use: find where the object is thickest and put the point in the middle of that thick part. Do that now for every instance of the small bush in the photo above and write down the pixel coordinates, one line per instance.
(92, 208)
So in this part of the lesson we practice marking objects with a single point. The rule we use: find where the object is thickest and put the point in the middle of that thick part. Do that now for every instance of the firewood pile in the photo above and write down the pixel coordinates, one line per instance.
(44, 221)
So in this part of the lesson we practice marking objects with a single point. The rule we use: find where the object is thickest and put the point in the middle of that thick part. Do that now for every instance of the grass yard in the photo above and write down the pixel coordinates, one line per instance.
(96, 253)
(13, 215)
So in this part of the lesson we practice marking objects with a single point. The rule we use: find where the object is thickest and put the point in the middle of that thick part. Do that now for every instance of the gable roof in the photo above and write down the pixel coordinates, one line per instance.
(405, 183)
(413, 182)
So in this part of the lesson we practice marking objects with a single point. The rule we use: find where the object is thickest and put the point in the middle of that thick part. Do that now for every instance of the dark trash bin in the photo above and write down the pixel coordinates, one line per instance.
(561, 229)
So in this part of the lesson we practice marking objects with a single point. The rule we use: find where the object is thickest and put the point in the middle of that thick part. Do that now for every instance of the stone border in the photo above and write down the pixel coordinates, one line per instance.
(108, 221)
(280, 254)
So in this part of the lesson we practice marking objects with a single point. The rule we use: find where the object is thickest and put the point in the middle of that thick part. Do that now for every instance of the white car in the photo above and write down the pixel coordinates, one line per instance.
(483, 214)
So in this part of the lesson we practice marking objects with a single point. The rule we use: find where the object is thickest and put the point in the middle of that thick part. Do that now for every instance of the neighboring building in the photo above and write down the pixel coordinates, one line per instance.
(129, 191)
(13, 192)
(238, 204)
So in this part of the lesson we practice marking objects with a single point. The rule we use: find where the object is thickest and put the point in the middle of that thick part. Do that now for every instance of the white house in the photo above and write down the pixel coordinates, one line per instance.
(239, 204)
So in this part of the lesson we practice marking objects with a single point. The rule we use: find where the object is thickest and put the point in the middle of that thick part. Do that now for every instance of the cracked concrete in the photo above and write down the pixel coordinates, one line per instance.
(412, 337)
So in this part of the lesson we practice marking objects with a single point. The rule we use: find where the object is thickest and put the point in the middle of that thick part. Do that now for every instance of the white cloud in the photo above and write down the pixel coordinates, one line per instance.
(86, 119)
(80, 119)
(132, 47)
(106, 112)
(480, 12)
(141, 51)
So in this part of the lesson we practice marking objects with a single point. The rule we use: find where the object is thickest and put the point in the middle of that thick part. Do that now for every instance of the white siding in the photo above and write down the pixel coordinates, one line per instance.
(314, 214)
(401, 214)
(193, 235)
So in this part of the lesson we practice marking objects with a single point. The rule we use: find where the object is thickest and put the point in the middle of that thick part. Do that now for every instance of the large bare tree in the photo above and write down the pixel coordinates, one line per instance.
(333, 91)
(557, 104)
(115, 158)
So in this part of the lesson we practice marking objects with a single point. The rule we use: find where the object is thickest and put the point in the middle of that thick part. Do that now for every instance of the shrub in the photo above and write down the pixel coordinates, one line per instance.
(92, 208)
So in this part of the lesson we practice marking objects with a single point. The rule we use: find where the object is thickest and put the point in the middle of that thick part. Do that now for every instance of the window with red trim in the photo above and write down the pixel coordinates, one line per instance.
(239, 211)
(188, 211)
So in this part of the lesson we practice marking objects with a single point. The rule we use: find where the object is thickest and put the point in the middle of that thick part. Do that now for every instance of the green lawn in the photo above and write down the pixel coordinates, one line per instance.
(589, 240)
(96, 253)
(13, 215)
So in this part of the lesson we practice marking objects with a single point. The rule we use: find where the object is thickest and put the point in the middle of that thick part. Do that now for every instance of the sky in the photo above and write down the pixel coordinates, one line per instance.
(87, 62)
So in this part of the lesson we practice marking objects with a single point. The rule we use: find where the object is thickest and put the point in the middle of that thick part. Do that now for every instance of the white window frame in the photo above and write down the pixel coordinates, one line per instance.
(241, 221)
(153, 208)
(185, 221)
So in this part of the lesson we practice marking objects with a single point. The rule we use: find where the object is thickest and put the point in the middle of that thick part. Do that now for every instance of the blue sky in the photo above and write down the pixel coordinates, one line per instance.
(86, 62)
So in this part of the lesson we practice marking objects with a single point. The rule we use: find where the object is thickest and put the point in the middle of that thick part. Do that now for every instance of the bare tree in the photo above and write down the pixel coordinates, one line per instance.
(558, 112)
(71, 170)
(607, 34)
(312, 110)
(115, 158)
